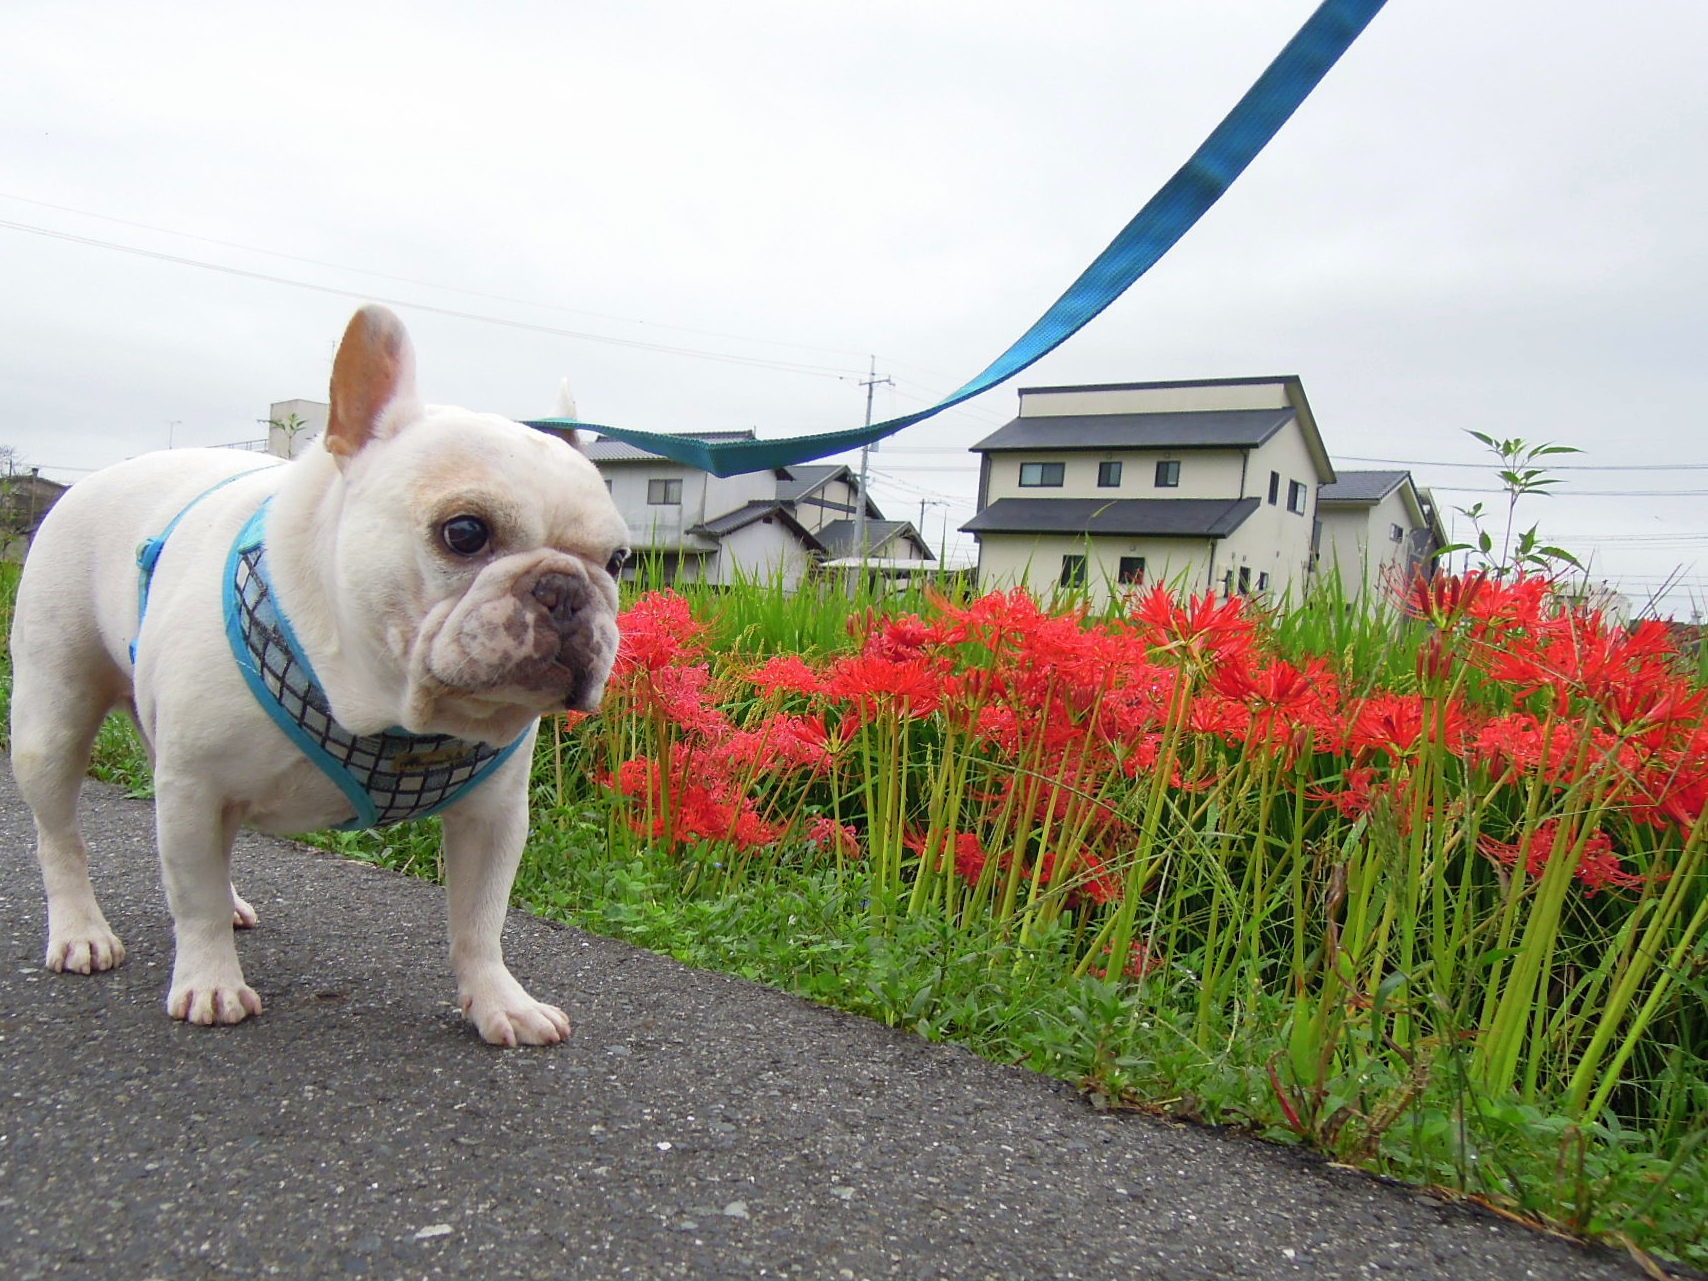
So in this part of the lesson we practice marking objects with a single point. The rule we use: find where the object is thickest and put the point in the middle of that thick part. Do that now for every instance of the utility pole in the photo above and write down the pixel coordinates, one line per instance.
(943, 552)
(871, 382)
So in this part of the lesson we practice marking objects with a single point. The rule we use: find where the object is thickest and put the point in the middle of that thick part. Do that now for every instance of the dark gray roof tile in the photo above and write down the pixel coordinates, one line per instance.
(1206, 429)
(1139, 517)
(1362, 486)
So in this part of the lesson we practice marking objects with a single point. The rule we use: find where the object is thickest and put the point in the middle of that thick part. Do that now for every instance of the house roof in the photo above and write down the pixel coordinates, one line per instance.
(1241, 380)
(1142, 517)
(840, 539)
(797, 482)
(1196, 429)
(608, 449)
(1362, 486)
(752, 512)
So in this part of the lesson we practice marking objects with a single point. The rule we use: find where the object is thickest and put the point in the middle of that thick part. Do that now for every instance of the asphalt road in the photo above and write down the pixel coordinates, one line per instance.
(693, 1126)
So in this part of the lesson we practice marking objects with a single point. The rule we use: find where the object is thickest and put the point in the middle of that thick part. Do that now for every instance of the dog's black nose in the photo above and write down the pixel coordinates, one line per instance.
(561, 594)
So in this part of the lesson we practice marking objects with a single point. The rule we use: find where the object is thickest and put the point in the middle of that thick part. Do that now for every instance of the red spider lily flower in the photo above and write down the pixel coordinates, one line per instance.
(710, 815)
(658, 629)
(1203, 629)
(1598, 866)
(694, 805)
(1444, 598)
(968, 852)
(1399, 725)
(1520, 604)
(970, 857)
(1436, 660)
(992, 620)
(1216, 716)
(900, 639)
(1290, 706)
(1097, 883)
(1141, 757)
(1141, 962)
(1656, 712)
(787, 674)
(680, 694)
(1554, 749)
(636, 777)
(839, 838)
(1606, 664)
(913, 686)
(782, 744)
(1360, 794)
(1670, 796)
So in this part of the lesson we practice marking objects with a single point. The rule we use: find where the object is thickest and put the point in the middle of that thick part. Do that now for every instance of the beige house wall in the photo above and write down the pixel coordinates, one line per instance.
(814, 517)
(1185, 398)
(760, 553)
(1204, 473)
(1035, 562)
(1358, 543)
(663, 525)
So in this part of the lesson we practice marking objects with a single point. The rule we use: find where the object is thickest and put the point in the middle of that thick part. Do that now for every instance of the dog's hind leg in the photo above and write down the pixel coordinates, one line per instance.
(57, 709)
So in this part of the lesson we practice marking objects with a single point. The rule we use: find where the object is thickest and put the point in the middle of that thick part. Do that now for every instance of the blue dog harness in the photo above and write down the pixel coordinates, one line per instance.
(388, 777)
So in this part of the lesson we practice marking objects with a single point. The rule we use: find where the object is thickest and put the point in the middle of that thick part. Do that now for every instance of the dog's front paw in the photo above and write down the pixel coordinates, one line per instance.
(506, 1015)
(208, 1004)
(84, 951)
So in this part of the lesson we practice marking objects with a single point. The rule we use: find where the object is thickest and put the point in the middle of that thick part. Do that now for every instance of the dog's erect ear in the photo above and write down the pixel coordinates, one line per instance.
(566, 409)
(373, 381)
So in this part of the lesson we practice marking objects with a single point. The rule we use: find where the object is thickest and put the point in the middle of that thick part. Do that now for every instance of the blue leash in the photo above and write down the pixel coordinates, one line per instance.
(1165, 218)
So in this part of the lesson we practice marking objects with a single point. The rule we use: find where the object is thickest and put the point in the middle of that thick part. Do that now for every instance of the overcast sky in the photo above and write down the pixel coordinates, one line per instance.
(1490, 215)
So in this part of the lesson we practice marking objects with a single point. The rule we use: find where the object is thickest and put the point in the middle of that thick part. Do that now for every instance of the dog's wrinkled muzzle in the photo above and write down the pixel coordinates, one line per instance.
(580, 619)
(544, 634)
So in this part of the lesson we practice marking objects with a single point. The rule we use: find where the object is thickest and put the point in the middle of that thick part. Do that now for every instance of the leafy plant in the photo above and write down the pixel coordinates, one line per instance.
(1520, 476)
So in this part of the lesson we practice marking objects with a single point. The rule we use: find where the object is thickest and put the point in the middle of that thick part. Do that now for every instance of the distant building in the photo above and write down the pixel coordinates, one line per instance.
(1208, 485)
(777, 524)
(1378, 530)
(1597, 598)
(25, 497)
(291, 424)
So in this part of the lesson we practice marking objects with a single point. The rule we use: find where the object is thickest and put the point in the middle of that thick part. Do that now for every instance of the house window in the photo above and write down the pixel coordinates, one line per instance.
(664, 493)
(1296, 497)
(1073, 571)
(1396, 533)
(1274, 488)
(1132, 570)
(1167, 475)
(1245, 580)
(1041, 475)
(1263, 582)
(1108, 475)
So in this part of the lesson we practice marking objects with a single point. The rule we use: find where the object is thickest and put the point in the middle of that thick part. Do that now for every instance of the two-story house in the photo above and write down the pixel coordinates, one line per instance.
(1208, 485)
(1379, 530)
(754, 527)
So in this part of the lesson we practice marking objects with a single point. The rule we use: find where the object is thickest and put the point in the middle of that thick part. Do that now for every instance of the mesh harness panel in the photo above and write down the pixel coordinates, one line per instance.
(388, 777)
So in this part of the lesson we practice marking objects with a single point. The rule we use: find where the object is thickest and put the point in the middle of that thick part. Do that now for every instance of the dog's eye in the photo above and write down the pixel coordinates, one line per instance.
(619, 558)
(466, 535)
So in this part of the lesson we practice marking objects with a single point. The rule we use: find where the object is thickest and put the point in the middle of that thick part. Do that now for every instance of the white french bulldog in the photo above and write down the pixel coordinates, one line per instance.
(368, 632)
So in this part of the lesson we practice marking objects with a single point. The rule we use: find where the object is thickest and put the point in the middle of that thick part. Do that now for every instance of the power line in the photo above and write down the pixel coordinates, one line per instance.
(780, 366)
(1586, 493)
(412, 280)
(1488, 466)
